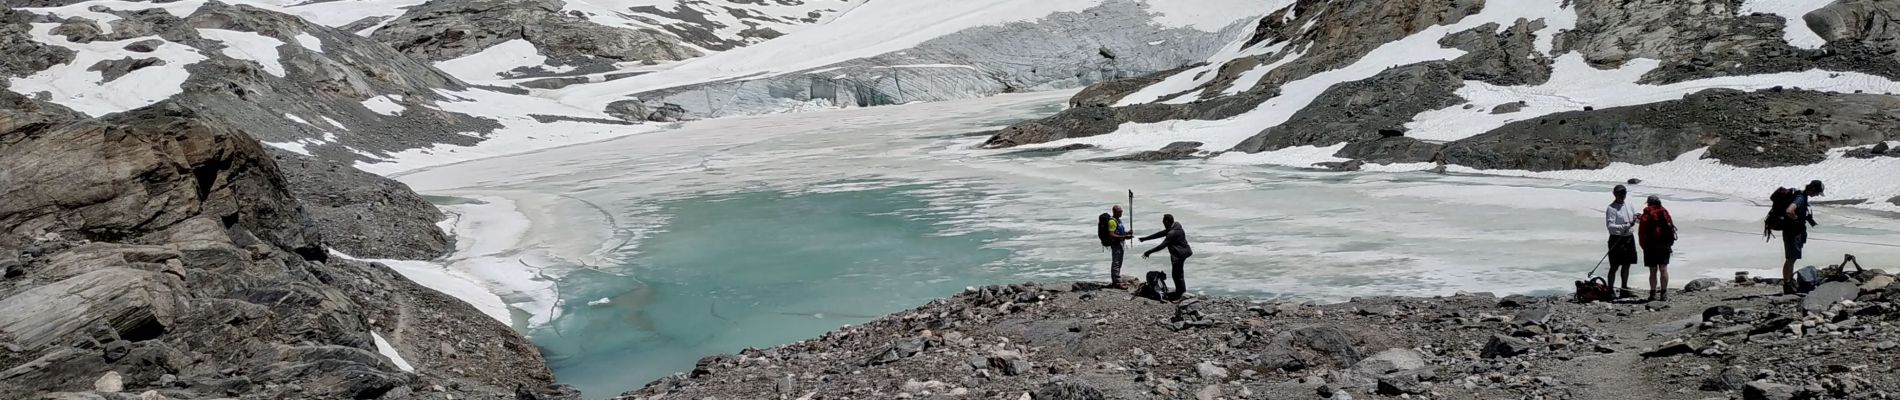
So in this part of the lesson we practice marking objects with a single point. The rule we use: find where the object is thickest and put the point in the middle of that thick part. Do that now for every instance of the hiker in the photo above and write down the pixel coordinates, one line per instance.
(1112, 233)
(1658, 237)
(1175, 241)
(1620, 218)
(1789, 214)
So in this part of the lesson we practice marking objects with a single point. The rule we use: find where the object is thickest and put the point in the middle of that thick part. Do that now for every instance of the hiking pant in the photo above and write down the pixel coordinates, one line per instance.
(1115, 263)
(1180, 276)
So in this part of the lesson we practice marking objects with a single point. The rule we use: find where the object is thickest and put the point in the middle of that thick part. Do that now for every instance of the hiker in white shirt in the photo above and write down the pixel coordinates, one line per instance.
(1620, 219)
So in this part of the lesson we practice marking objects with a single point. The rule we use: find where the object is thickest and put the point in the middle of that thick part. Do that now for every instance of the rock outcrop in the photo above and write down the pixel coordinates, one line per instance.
(161, 251)
(362, 214)
(443, 30)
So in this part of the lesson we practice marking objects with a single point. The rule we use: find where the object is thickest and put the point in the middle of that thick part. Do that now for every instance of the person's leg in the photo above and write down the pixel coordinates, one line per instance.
(1652, 282)
(1663, 291)
(1626, 275)
(1180, 277)
(1610, 279)
(1115, 265)
(1787, 276)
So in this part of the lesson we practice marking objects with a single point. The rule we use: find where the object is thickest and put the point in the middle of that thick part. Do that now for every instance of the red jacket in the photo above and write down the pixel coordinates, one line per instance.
(1656, 228)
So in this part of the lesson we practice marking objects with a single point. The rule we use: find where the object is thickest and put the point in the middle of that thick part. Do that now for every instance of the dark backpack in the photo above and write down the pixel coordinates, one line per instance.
(1806, 279)
(1155, 287)
(1778, 203)
(1594, 289)
(1102, 230)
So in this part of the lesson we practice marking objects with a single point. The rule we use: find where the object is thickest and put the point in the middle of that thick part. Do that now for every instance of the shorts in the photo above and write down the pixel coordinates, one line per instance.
(1791, 243)
(1622, 250)
(1656, 255)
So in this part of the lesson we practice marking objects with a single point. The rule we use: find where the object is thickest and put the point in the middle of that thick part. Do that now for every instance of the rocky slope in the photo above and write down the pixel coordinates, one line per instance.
(1073, 342)
(1522, 86)
(161, 252)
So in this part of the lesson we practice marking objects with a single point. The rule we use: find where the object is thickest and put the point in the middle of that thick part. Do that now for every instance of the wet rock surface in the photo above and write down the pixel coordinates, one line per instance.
(1077, 341)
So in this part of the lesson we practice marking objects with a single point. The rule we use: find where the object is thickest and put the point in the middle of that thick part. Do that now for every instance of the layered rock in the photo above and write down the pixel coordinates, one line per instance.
(161, 251)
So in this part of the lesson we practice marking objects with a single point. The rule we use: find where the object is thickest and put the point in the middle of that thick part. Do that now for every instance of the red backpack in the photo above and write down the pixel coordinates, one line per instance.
(1658, 227)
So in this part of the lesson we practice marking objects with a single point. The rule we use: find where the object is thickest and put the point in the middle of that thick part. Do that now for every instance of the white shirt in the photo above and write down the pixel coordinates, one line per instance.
(1619, 220)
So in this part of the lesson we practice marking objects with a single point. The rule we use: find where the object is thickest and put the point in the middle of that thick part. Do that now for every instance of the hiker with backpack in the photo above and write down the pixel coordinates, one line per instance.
(1788, 212)
(1174, 240)
(1620, 219)
(1112, 232)
(1658, 238)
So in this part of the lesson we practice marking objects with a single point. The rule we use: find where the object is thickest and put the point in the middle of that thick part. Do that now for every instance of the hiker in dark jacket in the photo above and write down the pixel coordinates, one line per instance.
(1658, 238)
(1174, 240)
(1113, 233)
(1794, 230)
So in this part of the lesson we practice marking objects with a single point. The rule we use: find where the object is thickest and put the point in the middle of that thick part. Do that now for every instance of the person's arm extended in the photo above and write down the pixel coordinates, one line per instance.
(1162, 246)
(1163, 232)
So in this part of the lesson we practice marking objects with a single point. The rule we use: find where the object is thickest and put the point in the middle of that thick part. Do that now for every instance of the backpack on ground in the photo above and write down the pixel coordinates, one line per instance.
(1155, 287)
(1806, 279)
(1778, 203)
(1595, 289)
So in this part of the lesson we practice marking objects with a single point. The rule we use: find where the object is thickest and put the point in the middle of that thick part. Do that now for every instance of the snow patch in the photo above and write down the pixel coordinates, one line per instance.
(299, 147)
(249, 46)
(71, 85)
(385, 105)
(1252, 77)
(490, 63)
(1797, 32)
(310, 42)
(294, 118)
(1574, 84)
(95, 10)
(383, 347)
(343, 12)
(520, 131)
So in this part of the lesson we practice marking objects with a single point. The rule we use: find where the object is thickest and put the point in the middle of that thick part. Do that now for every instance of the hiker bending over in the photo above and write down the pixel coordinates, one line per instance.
(1789, 214)
(1113, 233)
(1175, 241)
(1658, 237)
(1620, 218)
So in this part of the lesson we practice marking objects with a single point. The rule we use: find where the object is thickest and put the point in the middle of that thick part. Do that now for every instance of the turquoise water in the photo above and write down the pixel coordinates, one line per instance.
(755, 270)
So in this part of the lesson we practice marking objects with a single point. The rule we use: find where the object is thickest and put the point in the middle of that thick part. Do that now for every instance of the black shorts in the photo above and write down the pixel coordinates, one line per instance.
(1622, 250)
(1656, 255)
(1791, 243)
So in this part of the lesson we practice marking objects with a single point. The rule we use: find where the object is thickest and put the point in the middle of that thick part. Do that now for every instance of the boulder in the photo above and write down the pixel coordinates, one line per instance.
(1210, 372)
(1068, 391)
(1765, 390)
(1827, 294)
(1704, 284)
(1391, 360)
(1536, 315)
(1877, 283)
(1310, 346)
(1505, 346)
(1517, 300)
(1401, 383)
(1731, 378)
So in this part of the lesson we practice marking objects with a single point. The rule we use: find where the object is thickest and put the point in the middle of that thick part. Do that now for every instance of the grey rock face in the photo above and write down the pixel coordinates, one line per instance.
(1092, 121)
(362, 214)
(1758, 129)
(1357, 111)
(443, 30)
(25, 56)
(1111, 91)
(162, 245)
(1311, 347)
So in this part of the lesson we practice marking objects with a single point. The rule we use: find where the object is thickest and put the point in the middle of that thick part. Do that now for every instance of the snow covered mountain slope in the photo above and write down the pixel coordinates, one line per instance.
(1532, 85)
(897, 52)
(296, 85)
